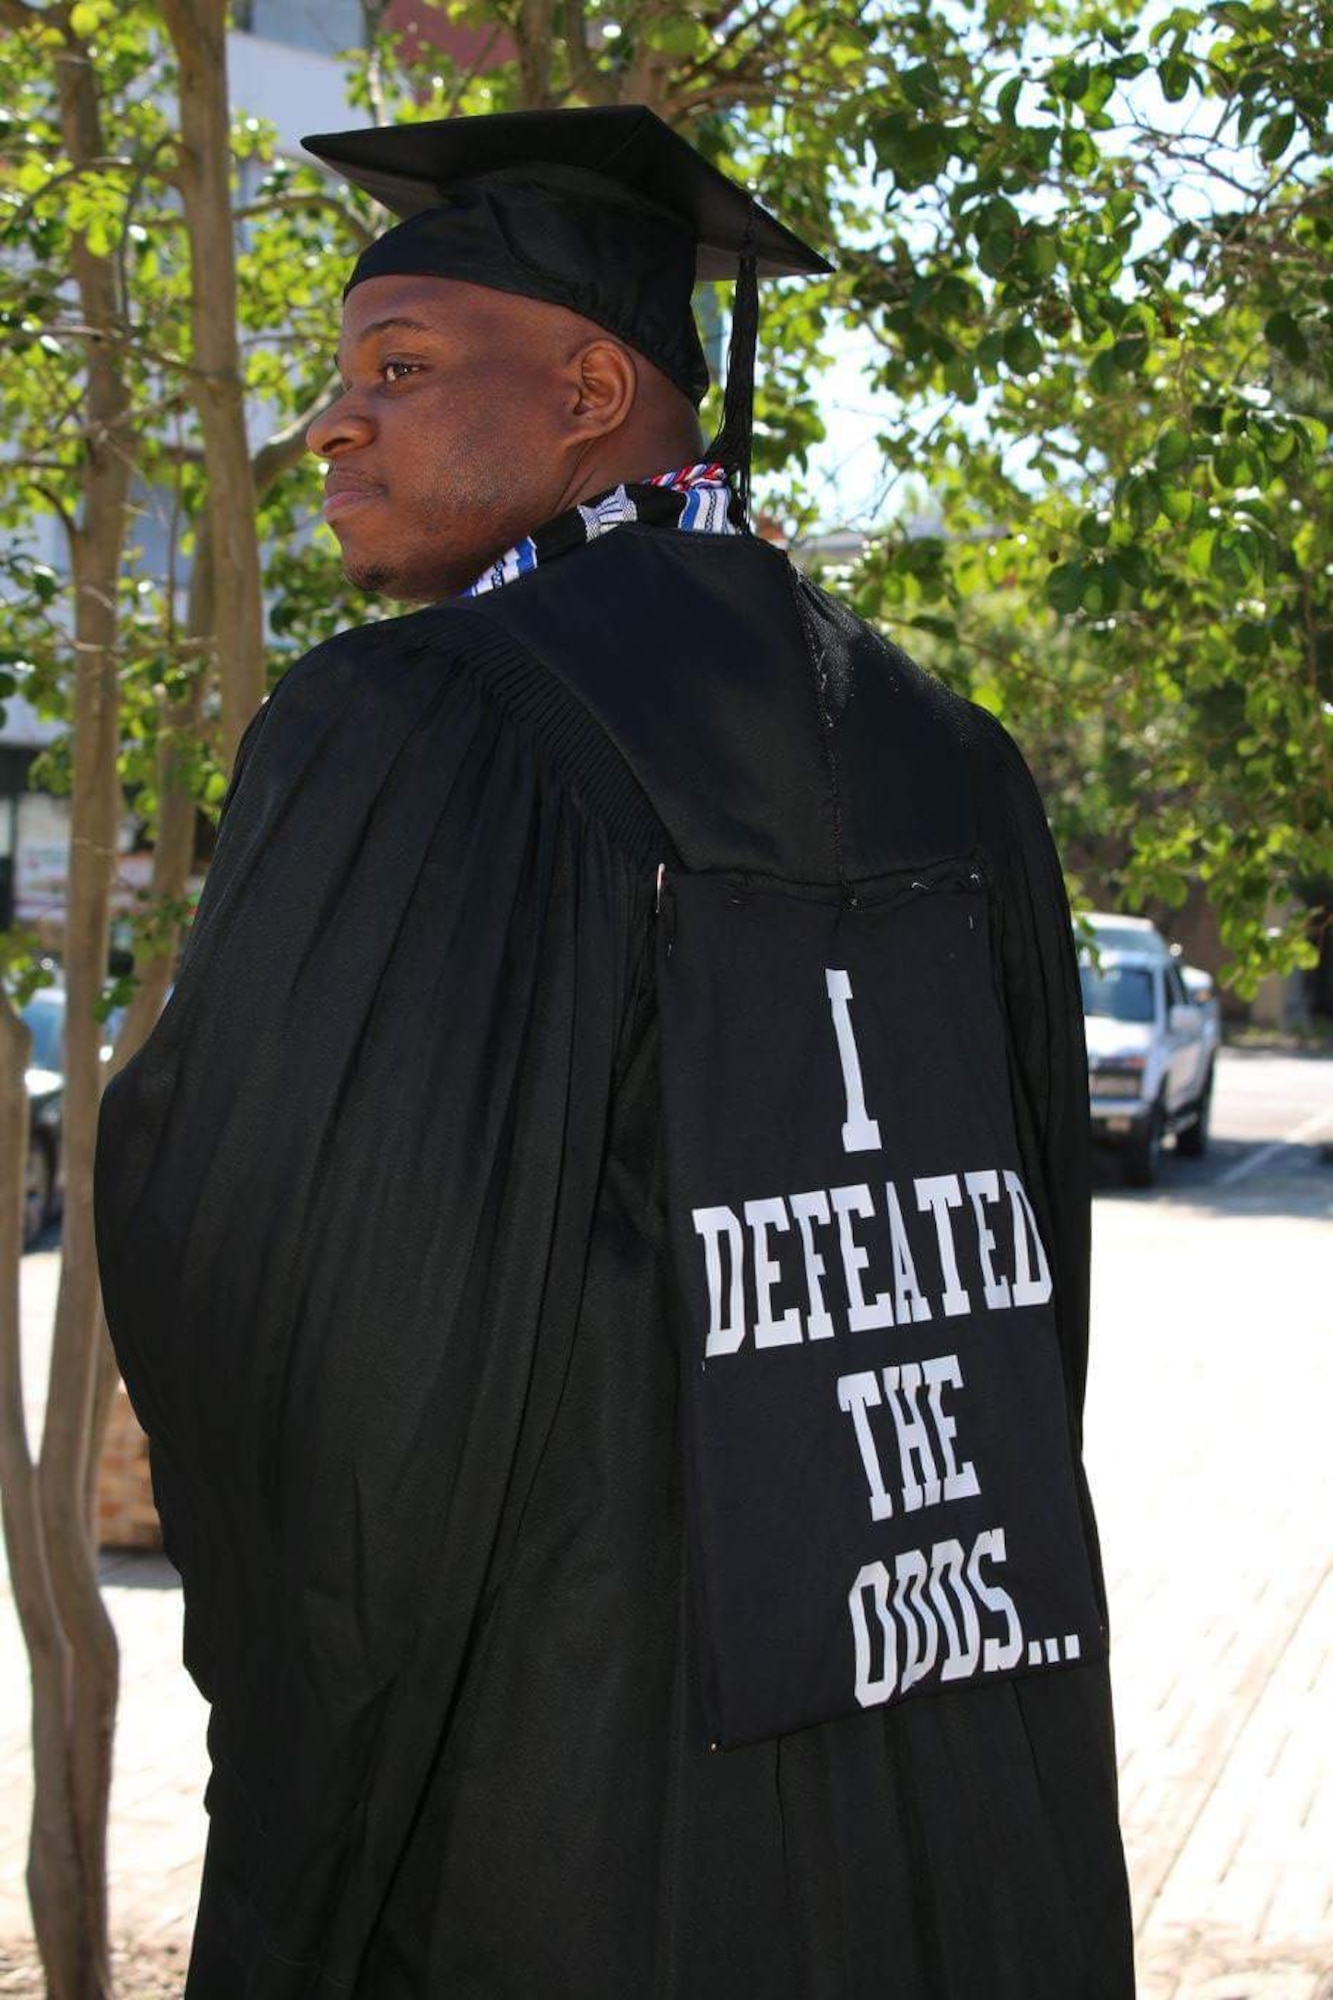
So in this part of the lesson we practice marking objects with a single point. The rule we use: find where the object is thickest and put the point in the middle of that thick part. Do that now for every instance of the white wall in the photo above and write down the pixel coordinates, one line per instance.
(295, 90)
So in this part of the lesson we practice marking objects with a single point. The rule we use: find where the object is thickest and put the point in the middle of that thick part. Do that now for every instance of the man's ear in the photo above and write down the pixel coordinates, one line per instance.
(604, 382)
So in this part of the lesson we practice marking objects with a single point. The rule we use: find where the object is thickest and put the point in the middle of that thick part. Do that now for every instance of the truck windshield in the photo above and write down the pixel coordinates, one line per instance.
(1120, 992)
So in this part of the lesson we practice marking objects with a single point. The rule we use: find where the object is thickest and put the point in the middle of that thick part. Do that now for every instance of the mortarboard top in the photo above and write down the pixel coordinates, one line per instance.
(408, 167)
(604, 210)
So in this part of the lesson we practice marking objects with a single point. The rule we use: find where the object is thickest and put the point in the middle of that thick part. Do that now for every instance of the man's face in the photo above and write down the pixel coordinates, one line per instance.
(449, 440)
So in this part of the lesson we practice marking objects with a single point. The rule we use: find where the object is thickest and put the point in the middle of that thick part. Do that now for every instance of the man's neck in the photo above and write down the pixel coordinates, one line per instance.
(628, 467)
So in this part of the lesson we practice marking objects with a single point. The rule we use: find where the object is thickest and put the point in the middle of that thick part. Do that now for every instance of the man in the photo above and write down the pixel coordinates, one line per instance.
(598, 1239)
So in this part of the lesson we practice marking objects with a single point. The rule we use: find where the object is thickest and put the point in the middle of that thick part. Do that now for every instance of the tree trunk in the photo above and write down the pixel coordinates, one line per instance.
(198, 30)
(76, 1666)
(54, 1882)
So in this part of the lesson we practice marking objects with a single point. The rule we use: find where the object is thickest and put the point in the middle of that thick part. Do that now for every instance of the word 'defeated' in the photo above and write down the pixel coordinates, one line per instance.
(815, 1249)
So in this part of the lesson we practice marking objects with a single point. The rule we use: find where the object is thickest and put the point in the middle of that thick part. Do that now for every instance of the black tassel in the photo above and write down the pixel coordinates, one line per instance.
(733, 444)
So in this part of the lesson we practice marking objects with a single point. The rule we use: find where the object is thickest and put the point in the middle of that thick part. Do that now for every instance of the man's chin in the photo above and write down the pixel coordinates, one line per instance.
(372, 578)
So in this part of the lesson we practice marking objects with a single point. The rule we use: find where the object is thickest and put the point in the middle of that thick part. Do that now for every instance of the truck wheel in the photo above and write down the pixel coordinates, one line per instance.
(1192, 1139)
(1141, 1156)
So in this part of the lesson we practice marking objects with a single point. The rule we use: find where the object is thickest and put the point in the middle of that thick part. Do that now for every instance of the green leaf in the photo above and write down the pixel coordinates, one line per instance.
(1023, 351)
(1079, 152)
(1144, 500)
(1101, 589)
(678, 35)
(1282, 330)
(921, 85)
(1131, 351)
(1252, 639)
(87, 16)
(1232, 558)
(1174, 446)
(1134, 566)
(1233, 465)
(960, 379)
(995, 252)
(1064, 587)
(1039, 252)
(1200, 552)
(1277, 136)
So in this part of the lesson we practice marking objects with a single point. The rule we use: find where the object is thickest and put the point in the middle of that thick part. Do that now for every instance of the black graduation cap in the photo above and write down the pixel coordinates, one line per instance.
(606, 211)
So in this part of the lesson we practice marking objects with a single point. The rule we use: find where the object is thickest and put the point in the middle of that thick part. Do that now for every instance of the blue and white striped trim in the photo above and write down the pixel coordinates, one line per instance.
(513, 563)
(608, 513)
(695, 497)
(707, 510)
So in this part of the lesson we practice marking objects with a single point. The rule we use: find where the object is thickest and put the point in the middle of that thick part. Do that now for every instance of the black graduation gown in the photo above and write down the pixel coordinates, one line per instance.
(382, 1222)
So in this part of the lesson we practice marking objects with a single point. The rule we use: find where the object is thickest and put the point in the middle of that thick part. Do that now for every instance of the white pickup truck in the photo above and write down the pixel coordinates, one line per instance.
(1152, 1043)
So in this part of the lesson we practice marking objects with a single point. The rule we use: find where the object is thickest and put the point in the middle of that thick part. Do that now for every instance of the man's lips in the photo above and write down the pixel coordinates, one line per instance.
(343, 490)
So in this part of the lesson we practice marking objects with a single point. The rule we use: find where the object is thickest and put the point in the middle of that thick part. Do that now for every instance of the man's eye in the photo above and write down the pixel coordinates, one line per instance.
(406, 367)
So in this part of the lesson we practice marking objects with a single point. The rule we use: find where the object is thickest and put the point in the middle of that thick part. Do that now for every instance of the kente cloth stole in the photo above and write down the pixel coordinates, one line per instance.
(695, 497)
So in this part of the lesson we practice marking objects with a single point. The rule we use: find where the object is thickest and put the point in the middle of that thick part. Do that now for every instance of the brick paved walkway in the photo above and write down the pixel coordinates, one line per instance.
(1207, 1444)
(1208, 1413)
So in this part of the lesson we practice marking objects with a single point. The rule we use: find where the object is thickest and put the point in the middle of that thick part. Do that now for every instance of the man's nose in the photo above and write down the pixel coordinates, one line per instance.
(342, 427)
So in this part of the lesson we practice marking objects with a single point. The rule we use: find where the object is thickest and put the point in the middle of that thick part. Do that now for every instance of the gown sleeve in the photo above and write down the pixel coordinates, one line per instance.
(1037, 971)
(343, 1199)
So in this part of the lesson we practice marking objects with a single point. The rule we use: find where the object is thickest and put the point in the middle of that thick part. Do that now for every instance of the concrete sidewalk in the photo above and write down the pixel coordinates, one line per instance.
(158, 1822)
(1208, 1456)
(1207, 1448)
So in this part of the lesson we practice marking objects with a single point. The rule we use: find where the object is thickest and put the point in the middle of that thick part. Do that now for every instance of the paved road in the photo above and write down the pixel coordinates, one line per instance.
(1208, 1406)
(1271, 1116)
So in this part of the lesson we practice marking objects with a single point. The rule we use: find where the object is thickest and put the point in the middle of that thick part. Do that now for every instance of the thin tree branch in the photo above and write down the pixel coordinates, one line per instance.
(284, 448)
(480, 62)
(357, 228)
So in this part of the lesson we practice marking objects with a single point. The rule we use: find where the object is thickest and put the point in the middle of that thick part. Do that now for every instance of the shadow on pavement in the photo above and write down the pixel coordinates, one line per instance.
(1295, 1180)
(136, 1569)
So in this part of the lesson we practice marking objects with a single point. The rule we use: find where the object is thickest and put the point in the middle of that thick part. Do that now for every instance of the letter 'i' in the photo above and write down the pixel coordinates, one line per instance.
(860, 1134)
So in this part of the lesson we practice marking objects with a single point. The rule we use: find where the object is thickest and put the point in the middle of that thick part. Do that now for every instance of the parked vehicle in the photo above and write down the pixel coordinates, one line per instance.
(44, 1188)
(1151, 1046)
(1202, 990)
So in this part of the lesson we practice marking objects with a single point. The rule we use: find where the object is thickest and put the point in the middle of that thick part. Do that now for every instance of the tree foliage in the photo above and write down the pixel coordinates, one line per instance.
(1099, 279)
(1092, 250)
